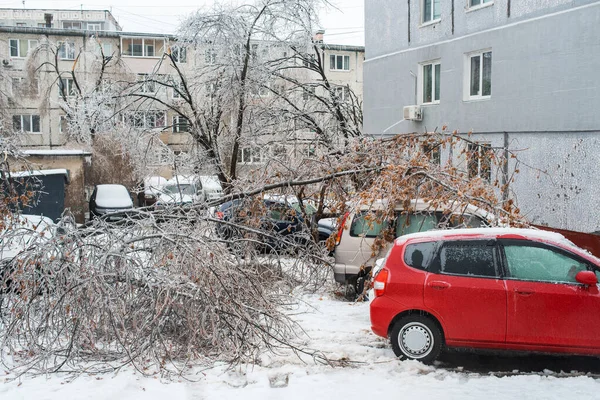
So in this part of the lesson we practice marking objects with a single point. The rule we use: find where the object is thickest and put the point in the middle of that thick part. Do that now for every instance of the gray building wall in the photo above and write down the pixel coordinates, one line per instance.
(545, 60)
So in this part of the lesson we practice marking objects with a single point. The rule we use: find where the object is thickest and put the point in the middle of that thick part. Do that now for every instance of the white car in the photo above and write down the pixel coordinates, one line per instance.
(360, 229)
(183, 189)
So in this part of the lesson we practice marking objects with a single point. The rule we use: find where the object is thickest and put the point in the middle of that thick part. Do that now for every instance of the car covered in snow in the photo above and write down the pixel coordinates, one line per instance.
(150, 190)
(185, 190)
(487, 288)
(110, 201)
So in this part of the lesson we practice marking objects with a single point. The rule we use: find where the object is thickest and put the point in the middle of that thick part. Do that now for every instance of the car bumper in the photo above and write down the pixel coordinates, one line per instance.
(383, 310)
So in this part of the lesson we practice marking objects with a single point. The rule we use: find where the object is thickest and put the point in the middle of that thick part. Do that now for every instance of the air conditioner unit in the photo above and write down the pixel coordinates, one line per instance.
(7, 62)
(413, 113)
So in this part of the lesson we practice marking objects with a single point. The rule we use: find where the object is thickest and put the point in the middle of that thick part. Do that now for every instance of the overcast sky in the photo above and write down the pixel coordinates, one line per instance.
(342, 26)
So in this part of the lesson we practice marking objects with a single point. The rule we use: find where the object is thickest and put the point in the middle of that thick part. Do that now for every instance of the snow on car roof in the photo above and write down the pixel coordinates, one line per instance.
(527, 233)
(210, 182)
(489, 232)
(113, 196)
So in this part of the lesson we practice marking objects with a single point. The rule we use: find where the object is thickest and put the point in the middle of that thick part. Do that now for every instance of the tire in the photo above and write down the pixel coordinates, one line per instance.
(423, 340)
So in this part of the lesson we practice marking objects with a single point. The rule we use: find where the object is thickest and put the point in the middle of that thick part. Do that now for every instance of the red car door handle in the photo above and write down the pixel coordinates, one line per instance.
(524, 292)
(439, 285)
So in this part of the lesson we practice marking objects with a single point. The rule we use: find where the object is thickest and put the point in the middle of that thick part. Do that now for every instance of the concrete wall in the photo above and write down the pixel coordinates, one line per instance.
(544, 92)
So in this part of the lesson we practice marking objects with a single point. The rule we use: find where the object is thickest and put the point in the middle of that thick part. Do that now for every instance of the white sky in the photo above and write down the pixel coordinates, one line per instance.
(342, 26)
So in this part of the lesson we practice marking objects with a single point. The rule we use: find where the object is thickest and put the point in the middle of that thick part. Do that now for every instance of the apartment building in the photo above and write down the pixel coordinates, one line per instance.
(39, 49)
(520, 75)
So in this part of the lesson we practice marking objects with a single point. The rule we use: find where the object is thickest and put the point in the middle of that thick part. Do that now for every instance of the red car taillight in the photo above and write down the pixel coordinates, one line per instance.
(380, 282)
(340, 231)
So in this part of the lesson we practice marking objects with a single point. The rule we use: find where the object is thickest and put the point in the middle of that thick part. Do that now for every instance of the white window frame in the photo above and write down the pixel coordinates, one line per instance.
(342, 93)
(467, 76)
(62, 120)
(432, 19)
(476, 150)
(67, 49)
(146, 85)
(143, 116)
(421, 82)
(177, 84)
(31, 44)
(145, 42)
(17, 88)
(179, 54)
(68, 85)
(335, 64)
(252, 155)
(482, 4)
(30, 117)
(210, 56)
(180, 124)
(94, 26)
(71, 22)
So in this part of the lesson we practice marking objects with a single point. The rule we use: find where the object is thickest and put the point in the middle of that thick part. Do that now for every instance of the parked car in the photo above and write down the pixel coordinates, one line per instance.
(182, 190)
(110, 199)
(210, 186)
(487, 288)
(354, 246)
(151, 190)
(280, 220)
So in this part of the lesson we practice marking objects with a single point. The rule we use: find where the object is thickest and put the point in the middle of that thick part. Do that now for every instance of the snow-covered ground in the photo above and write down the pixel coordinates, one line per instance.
(366, 368)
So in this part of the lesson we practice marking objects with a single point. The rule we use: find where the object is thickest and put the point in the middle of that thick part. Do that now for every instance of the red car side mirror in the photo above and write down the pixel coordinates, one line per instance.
(586, 277)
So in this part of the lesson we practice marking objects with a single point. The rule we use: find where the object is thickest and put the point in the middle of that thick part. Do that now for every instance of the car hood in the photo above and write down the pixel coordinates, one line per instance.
(175, 198)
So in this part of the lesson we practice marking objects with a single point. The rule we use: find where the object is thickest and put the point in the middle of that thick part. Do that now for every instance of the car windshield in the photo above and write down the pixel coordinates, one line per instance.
(310, 210)
(176, 189)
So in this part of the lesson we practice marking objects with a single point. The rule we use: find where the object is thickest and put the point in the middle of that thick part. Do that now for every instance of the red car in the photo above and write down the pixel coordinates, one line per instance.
(488, 288)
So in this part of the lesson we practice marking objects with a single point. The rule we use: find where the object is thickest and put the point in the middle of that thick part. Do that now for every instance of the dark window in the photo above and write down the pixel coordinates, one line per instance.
(368, 224)
(468, 258)
(371, 224)
(419, 255)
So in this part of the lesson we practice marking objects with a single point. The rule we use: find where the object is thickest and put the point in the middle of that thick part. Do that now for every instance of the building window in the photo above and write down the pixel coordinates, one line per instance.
(66, 87)
(308, 92)
(21, 24)
(475, 3)
(94, 26)
(21, 47)
(339, 63)
(26, 123)
(43, 25)
(431, 10)
(24, 87)
(180, 124)
(63, 125)
(66, 50)
(177, 88)
(251, 155)
(431, 83)
(431, 149)
(280, 152)
(147, 84)
(107, 49)
(211, 89)
(342, 93)
(479, 158)
(210, 57)
(145, 119)
(260, 91)
(142, 47)
(480, 76)
(71, 25)
(179, 54)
